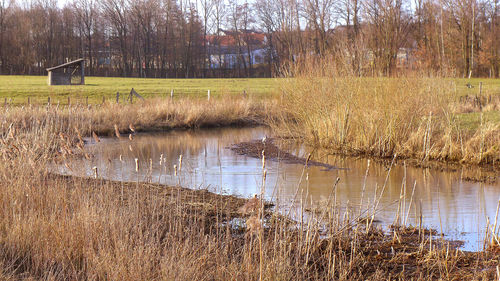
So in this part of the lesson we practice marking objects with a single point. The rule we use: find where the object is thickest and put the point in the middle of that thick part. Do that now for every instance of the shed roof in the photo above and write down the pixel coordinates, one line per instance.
(65, 64)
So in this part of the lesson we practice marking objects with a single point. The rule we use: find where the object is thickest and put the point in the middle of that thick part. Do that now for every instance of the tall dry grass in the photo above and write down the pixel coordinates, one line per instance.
(413, 117)
(152, 114)
(69, 228)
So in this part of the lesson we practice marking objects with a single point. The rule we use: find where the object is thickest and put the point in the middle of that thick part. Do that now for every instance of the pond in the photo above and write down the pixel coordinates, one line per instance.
(445, 202)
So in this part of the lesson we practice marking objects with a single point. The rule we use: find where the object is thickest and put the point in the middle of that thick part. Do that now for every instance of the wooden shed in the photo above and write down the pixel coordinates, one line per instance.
(70, 73)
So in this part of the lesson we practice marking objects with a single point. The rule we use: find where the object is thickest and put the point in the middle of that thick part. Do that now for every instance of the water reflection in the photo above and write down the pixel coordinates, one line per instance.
(458, 208)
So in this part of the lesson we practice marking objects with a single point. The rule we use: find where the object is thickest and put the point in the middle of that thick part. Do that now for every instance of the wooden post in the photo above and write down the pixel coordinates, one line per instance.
(82, 69)
(208, 95)
(5, 102)
(117, 97)
(48, 101)
(87, 100)
(69, 101)
(134, 93)
(29, 101)
(480, 96)
(103, 100)
(172, 94)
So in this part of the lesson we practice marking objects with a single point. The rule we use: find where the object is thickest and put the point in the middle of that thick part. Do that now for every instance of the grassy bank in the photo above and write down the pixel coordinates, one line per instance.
(416, 118)
(150, 115)
(19, 88)
(70, 228)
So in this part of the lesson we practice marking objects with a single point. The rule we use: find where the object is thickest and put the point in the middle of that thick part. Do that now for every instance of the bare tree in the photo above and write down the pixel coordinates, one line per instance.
(116, 14)
(207, 9)
(389, 24)
(234, 19)
(219, 16)
(267, 14)
(86, 12)
(463, 16)
(143, 14)
(351, 47)
(321, 16)
(4, 10)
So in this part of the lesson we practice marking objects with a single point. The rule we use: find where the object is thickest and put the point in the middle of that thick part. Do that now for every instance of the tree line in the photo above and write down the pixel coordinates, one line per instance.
(168, 38)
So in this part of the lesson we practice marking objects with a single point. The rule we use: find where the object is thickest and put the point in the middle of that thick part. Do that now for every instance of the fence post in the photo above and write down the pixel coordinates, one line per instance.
(172, 94)
(69, 101)
(103, 100)
(480, 96)
(87, 100)
(117, 97)
(48, 101)
(208, 95)
(29, 101)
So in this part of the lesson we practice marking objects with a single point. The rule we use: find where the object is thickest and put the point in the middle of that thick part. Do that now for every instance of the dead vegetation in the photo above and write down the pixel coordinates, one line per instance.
(468, 104)
(151, 115)
(267, 148)
(69, 228)
(413, 117)
(62, 228)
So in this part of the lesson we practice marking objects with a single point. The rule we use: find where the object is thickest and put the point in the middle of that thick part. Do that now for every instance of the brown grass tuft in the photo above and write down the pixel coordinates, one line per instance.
(412, 117)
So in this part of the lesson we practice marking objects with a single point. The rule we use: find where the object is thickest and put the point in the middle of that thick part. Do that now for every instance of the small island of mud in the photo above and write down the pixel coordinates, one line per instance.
(273, 152)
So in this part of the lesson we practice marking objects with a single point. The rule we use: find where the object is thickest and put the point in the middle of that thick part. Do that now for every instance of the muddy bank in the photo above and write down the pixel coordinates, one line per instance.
(272, 152)
(472, 173)
(371, 254)
(468, 172)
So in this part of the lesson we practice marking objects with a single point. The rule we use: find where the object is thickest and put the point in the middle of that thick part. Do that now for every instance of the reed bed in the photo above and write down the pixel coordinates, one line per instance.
(150, 115)
(61, 228)
(69, 228)
(414, 117)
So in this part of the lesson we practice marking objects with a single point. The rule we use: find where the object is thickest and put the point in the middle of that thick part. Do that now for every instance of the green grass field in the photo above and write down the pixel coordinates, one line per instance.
(17, 89)
(490, 86)
(471, 121)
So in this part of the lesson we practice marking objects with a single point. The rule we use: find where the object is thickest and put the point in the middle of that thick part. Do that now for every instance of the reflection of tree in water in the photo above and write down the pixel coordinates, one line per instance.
(440, 195)
(174, 143)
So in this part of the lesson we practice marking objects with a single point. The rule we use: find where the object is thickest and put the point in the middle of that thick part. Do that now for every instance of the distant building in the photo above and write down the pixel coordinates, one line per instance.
(70, 73)
(234, 49)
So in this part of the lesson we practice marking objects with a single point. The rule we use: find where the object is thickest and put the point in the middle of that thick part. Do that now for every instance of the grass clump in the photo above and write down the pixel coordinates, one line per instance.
(414, 117)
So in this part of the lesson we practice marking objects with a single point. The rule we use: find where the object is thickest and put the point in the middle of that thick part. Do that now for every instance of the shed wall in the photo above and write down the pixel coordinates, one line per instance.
(59, 78)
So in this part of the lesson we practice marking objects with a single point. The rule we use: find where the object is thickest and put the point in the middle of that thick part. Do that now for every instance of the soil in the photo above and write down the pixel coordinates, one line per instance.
(257, 148)
(404, 253)
(473, 173)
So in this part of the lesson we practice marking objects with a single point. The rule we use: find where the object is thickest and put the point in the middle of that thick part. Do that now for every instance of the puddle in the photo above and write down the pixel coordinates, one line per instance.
(457, 207)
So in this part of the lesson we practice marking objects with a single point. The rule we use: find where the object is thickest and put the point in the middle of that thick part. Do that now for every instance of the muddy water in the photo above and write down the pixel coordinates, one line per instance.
(445, 202)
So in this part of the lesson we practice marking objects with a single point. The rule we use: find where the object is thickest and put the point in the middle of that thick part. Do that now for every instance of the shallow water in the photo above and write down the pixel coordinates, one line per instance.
(457, 207)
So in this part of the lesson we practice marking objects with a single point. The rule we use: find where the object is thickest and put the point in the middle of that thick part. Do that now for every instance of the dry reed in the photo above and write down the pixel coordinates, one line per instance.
(413, 117)
(69, 228)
